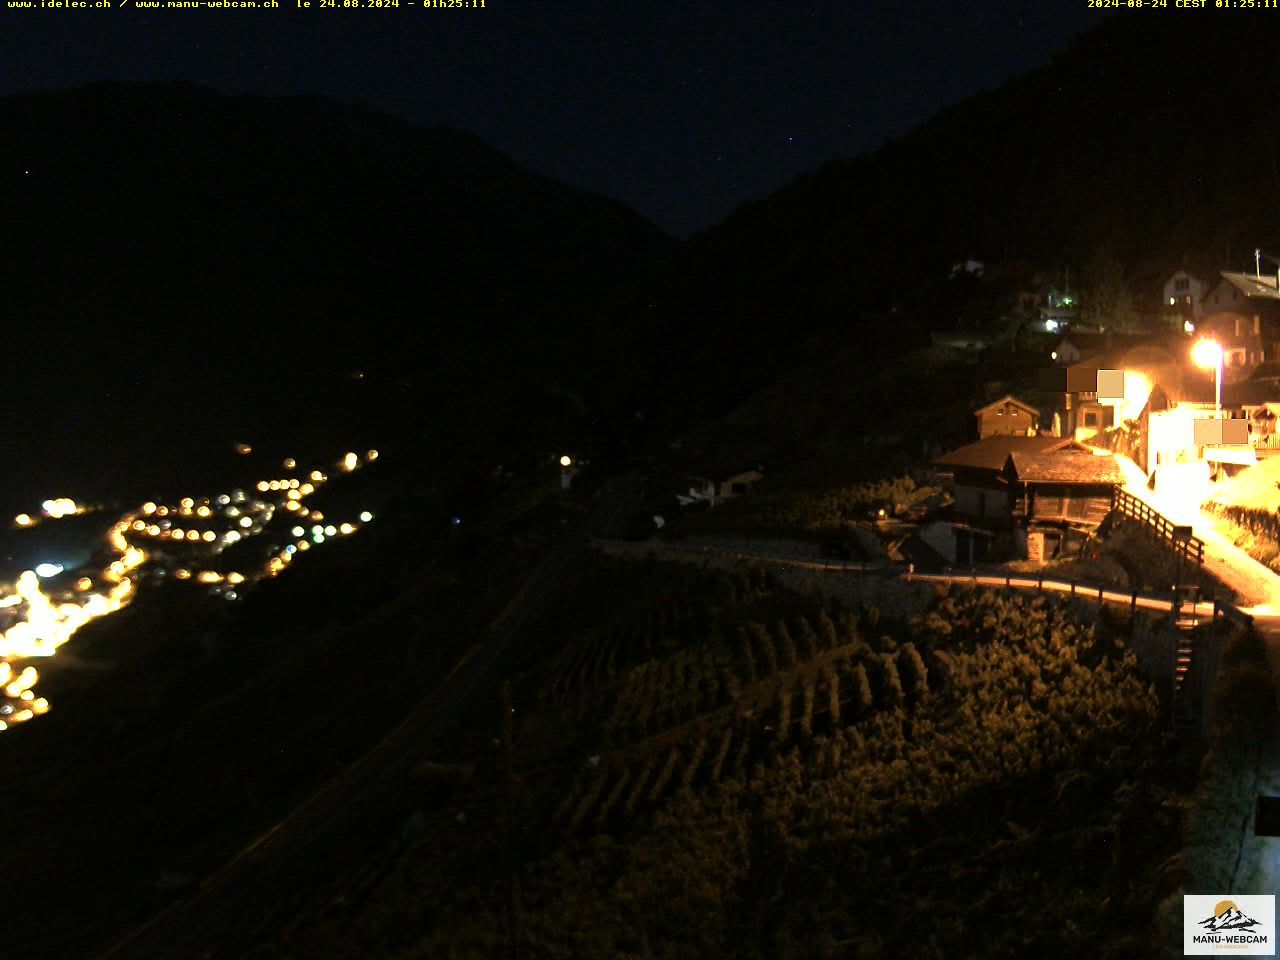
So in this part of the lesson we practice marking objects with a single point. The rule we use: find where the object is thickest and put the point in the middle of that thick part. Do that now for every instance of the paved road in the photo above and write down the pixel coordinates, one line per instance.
(1203, 610)
(224, 918)
(1259, 586)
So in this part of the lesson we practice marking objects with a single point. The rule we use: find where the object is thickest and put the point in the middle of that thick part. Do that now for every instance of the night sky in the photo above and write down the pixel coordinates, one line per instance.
(682, 110)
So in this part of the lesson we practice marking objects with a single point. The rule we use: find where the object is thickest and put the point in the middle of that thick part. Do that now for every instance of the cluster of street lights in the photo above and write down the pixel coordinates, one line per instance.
(37, 620)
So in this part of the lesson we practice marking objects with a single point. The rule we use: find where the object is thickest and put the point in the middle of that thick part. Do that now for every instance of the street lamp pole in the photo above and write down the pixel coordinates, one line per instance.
(1217, 388)
(1209, 353)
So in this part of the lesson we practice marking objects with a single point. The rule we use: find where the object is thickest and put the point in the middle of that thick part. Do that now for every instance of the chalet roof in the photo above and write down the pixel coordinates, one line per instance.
(1251, 286)
(1096, 343)
(1192, 387)
(722, 473)
(1266, 371)
(1129, 351)
(960, 338)
(1252, 392)
(1007, 398)
(992, 453)
(1067, 465)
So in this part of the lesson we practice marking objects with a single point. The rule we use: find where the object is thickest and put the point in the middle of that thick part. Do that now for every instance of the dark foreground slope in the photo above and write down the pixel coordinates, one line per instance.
(710, 766)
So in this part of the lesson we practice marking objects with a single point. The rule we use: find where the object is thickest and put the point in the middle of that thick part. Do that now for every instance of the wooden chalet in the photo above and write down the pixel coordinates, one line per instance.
(1008, 416)
(1031, 496)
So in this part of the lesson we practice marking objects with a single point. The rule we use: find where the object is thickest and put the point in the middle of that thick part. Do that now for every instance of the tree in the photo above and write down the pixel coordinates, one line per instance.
(1105, 294)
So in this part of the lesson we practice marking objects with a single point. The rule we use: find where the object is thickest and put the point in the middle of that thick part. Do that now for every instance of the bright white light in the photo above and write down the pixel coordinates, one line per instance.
(48, 570)
(1051, 325)
(566, 461)
(1188, 326)
(298, 531)
(366, 517)
(1206, 353)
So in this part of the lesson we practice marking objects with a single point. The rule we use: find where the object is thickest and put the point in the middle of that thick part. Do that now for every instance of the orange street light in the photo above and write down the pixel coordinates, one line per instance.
(1208, 353)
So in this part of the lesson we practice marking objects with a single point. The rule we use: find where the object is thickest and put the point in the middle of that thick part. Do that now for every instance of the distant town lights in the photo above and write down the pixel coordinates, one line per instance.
(44, 621)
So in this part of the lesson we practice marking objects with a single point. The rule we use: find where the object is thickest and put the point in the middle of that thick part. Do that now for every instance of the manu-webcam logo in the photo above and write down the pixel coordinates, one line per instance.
(1235, 925)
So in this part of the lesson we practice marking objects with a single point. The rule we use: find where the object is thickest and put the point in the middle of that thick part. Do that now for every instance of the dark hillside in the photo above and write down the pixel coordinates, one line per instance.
(172, 256)
(1148, 144)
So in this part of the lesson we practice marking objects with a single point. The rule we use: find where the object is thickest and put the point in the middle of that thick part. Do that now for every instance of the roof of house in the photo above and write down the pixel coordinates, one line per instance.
(1266, 371)
(1130, 350)
(992, 453)
(1252, 286)
(960, 338)
(1066, 465)
(720, 474)
(1252, 392)
(1187, 389)
(1007, 398)
(1093, 343)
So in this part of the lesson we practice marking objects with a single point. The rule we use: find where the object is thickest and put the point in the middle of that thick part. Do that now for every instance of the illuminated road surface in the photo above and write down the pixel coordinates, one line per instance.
(1256, 584)
(37, 616)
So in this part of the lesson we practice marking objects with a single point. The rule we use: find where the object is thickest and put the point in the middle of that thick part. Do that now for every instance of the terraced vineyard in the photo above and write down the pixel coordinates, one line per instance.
(729, 769)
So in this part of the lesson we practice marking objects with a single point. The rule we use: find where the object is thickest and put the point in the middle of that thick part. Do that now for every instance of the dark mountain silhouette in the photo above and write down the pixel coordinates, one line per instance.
(1144, 145)
(185, 261)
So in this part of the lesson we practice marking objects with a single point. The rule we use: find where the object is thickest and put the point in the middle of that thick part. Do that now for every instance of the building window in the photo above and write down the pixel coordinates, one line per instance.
(1090, 418)
(1180, 283)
